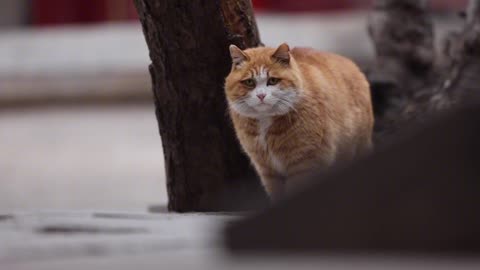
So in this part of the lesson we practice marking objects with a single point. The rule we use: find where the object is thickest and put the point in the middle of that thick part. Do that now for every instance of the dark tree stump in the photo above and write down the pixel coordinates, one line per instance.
(402, 34)
(462, 51)
(188, 43)
(411, 81)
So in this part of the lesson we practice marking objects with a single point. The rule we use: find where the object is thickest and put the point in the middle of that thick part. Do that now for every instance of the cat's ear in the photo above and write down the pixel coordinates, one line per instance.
(238, 56)
(282, 54)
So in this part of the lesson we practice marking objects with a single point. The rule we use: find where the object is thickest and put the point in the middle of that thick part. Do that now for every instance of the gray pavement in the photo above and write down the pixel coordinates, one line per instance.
(134, 240)
(80, 158)
(61, 235)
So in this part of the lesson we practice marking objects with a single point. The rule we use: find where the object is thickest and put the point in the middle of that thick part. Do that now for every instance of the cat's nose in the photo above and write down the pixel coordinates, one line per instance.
(261, 96)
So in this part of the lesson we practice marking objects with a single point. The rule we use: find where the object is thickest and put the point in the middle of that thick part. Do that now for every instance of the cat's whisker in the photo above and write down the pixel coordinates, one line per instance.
(287, 104)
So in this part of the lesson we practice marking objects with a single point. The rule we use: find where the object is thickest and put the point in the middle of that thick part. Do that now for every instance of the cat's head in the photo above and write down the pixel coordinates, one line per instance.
(263, 81)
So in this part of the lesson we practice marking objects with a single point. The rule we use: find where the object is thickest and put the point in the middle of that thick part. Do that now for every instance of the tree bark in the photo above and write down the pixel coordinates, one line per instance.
(188, 43)
(462, 51)
(411, 81)
(402, 34)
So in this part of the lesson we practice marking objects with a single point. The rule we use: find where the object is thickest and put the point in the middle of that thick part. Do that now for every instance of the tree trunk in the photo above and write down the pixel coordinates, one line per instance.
(410, 81)
(461, 85)
(188, 43)
(402, 34)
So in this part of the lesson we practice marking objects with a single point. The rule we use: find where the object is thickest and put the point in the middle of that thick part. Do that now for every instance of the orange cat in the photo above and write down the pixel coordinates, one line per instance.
(296, 110)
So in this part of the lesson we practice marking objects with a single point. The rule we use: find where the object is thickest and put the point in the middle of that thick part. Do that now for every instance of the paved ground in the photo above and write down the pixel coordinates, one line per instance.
(135, 240)
(60, 235)
(80, 158)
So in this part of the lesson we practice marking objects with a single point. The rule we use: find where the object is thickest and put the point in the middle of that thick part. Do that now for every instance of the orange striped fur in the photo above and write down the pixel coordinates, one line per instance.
(294, 110)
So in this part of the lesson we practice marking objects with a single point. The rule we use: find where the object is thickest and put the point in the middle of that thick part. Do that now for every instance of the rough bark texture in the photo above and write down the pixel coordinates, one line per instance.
(402, 34)
(462, 50)
(410, 80)
(188, 43)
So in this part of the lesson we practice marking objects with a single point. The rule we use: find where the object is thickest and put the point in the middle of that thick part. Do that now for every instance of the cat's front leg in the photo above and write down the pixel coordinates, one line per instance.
(297, 181)
(274, 185)
(301, 176)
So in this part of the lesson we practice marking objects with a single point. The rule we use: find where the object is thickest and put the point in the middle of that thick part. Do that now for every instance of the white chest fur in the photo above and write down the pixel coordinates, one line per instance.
(263, 126)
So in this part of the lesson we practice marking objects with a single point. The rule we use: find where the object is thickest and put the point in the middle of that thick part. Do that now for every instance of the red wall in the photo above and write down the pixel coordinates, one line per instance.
(46, 12)
(329, 5)
(302, 5)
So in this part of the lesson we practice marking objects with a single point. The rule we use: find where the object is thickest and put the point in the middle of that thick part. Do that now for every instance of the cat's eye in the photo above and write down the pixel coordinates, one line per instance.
(249, 82)
(273, 81)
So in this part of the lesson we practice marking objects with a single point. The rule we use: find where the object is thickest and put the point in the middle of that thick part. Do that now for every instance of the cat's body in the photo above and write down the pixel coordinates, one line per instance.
(304, 109)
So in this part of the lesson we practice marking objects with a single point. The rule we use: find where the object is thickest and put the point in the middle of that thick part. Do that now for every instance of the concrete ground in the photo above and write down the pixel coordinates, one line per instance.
(61, 235)
(135, 240)
(80, 158)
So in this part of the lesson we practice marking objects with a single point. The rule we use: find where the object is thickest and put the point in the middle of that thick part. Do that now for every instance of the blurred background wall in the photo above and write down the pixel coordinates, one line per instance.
(58, 12)
(13, 13)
